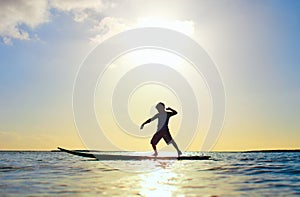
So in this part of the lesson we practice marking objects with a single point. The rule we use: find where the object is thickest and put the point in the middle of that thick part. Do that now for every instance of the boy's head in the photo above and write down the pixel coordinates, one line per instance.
(160, 107)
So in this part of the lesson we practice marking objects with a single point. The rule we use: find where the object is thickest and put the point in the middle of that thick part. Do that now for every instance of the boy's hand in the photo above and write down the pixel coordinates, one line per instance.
(168, 108)
(148, 121)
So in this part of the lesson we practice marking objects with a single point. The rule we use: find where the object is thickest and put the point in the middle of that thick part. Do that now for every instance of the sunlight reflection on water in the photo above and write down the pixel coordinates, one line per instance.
(158, 183)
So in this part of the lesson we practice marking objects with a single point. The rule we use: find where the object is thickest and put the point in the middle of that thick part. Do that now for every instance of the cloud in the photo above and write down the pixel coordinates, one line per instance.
(110, 26)
(81, 9)
(18, 17)
(7, 40)
(15, 14)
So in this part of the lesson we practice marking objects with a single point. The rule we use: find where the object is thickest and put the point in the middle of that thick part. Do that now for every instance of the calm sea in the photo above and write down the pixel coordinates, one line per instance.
(227, 174)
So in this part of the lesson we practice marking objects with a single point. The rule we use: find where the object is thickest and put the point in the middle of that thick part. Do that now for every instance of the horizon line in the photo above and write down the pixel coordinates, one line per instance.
(216, 151)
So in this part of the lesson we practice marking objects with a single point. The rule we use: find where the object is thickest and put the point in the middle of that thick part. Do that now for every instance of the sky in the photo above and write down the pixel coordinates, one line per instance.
(254, 44)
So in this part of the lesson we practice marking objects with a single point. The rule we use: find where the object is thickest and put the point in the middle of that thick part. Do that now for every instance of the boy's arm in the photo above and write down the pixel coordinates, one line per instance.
(173, 112)
(148, 121)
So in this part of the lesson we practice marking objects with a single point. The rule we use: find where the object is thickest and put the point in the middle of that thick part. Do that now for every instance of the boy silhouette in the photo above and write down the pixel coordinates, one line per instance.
(163, 117)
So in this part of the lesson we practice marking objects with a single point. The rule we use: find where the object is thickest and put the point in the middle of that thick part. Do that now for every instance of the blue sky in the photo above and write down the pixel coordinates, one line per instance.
(255, 45)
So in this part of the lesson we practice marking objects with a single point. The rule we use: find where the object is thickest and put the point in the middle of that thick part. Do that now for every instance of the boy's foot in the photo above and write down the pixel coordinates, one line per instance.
(155, 154)
(179, 153)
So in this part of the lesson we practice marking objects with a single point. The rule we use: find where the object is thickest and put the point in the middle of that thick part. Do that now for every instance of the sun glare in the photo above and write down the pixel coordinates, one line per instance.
(185, 27)
(129, 72)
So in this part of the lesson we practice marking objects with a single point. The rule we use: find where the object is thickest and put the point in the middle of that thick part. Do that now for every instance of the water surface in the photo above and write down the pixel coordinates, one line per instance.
(227, 174)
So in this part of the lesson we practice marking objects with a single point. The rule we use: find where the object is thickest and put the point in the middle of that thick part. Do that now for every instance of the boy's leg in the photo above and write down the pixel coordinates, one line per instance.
(155, 151)
(155, 139)
(169, 140)
(176, 147)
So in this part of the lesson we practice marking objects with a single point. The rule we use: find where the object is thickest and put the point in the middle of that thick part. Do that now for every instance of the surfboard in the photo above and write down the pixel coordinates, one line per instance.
(129, 157)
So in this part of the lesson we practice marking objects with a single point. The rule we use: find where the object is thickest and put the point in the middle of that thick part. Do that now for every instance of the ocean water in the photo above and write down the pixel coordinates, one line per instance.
(226, 174)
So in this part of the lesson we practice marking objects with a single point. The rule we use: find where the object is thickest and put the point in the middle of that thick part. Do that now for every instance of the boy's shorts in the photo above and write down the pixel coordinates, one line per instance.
(164, 133)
